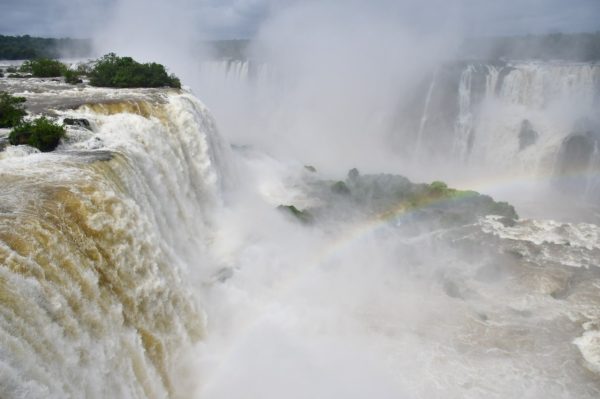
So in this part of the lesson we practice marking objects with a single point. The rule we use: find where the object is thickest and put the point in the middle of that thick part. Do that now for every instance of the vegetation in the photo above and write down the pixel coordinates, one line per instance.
(114, 71)
(302, 216)
(340, 187)
(27, 48)
(44, 68)
(72, 77)
(41, 133)
(12, 110)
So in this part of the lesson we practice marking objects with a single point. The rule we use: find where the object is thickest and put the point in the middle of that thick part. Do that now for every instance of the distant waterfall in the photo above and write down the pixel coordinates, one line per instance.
(511, 118)
(96, 243)
(464, 121)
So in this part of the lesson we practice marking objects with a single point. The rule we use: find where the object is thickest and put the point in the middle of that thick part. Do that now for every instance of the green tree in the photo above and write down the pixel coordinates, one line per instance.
(12, 110)
(114, 71)
(44, 68)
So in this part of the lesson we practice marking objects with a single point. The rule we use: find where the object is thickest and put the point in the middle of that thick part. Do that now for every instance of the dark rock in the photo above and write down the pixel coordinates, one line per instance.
(84, 123)
(301, 215)
(527, 135)
(310, 168)
(507, 222)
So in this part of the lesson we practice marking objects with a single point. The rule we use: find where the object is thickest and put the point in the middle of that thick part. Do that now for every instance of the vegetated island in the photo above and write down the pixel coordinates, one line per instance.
(386, 197)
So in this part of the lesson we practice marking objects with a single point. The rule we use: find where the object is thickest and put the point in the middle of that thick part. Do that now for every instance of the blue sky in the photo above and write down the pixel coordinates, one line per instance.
(243, 18)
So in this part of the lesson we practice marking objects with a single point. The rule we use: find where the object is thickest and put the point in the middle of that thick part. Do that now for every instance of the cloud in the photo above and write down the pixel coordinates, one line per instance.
(243, 18)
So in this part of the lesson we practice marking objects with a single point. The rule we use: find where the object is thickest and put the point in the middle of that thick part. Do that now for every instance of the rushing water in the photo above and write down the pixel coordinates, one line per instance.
(94, 241)
(144, 259)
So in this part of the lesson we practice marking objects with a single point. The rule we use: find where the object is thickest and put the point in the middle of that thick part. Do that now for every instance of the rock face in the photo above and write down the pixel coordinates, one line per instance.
(578, 165)
(527, 135)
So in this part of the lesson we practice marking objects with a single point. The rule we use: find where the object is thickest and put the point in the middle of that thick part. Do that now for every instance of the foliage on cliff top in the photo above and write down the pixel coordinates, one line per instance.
(11, 110)
(41, 133)
(122, 72)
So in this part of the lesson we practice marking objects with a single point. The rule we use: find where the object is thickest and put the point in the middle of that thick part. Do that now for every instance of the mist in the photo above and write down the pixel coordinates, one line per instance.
(355, 305)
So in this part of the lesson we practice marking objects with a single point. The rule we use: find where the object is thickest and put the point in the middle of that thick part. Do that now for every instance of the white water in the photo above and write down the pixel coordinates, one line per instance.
(419, 143)
(212, 293)
(95, 254)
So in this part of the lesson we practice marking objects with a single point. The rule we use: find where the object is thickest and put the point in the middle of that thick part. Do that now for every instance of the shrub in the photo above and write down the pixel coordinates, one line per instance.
(44, 68)
(438, 187)
(340, 188)
(41, 133)
(12, 110)
(114, 71)
(72, 77)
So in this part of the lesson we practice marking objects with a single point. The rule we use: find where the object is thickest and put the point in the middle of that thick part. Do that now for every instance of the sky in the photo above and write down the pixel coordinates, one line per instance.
(231, 19)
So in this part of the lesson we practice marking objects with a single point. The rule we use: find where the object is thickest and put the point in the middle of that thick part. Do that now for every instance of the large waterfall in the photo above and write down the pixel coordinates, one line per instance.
(97, 242)
(144, 258)
(515, 118)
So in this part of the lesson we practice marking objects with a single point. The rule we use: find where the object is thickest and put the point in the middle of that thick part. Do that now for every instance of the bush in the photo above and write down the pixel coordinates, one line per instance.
(438, 188)
(12, 110)
(44, 68)
(42, 134)
(114, 71)
(72, 77)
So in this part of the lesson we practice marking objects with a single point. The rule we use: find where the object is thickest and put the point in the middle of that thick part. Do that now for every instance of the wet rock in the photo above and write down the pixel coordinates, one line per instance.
(80, 122)
(527, 135)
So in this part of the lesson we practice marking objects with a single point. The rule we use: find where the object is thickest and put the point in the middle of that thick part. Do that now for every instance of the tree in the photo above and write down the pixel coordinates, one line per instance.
(44, 68)
(12, 110)
(114, 71)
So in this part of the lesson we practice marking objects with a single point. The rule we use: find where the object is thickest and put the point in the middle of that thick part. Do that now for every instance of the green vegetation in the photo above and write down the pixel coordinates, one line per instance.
(438, 188)
(114, 71)
(41, 133)
(44, 68)
(27, 48)
(12, 110)
(340, 187)
(302, 216)
(72, 77)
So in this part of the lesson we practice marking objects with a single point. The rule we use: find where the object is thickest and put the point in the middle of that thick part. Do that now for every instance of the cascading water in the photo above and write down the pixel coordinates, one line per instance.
(96, 243)
(464, 122)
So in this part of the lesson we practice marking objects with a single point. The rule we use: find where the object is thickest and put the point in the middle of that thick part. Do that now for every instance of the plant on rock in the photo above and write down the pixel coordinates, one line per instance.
(41, 133)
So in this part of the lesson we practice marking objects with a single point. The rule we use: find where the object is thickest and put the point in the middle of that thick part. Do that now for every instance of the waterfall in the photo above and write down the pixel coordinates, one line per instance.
(464, 123)
(423, 121)
(97, 245)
